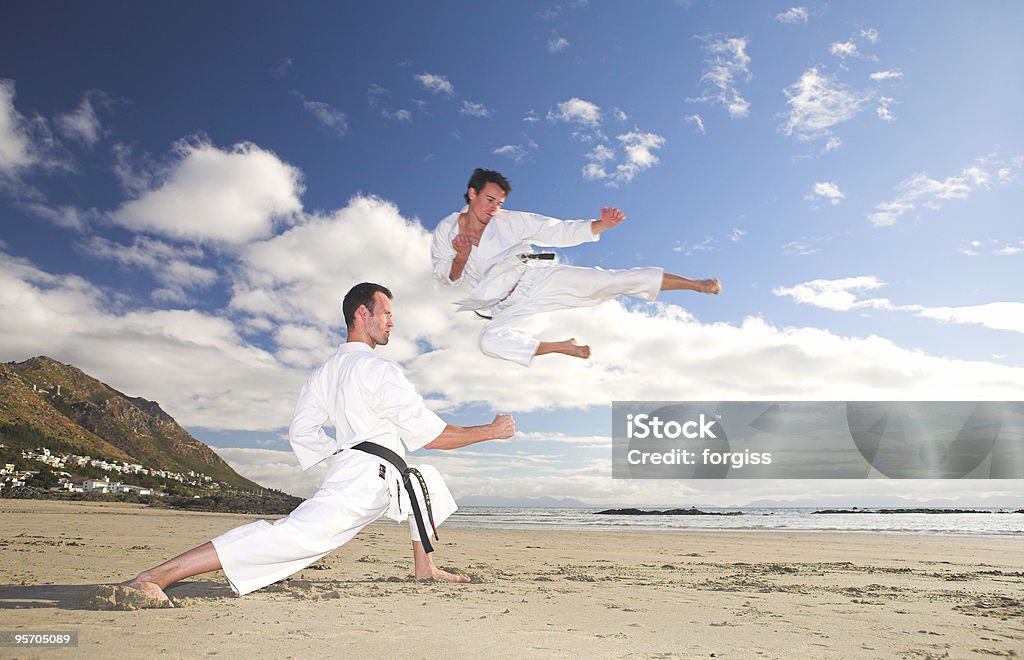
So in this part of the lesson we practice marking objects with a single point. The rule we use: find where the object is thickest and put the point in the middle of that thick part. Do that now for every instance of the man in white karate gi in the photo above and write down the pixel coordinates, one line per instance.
(488, 251)
(367, 399)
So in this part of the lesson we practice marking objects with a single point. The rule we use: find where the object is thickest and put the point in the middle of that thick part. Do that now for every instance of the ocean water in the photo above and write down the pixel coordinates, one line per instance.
(997, 522)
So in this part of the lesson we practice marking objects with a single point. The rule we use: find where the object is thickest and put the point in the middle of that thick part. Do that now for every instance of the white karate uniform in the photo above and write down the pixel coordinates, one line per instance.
(366, 398)
(520, 293)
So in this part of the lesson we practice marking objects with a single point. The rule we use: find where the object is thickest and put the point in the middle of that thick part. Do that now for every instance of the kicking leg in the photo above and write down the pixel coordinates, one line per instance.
(152, 582)
(670, 282)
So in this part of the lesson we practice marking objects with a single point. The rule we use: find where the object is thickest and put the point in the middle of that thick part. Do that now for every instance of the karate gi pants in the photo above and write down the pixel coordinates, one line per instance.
(517, 320)
(351, 496)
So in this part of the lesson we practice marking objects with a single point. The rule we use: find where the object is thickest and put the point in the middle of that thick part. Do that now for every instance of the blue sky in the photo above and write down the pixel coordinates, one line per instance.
(188, 189)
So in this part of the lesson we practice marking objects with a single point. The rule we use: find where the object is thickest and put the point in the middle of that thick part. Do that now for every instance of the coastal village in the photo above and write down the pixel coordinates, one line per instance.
(63, 465)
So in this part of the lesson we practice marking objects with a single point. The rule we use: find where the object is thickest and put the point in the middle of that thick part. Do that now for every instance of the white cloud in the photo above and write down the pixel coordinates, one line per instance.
(195, 365)
(68, 217)
(206, 374)
(435, 83)
(800, 248)
(576, 111)
(274, 468)
(825, 190)
(844, 49)
(531, 117)
(17, 151)
(817, 104)
(557, 44)
(638, 155)
(843, 295)
(840, 295)
(519, 153)
(884, 113)
(893, 74)
(209, 194)
(850, 49)
(697, 121)
(688, 249)
(81, 124)
(737, 234)
(173, 266)
(727, 65)
(331, 120)
(793, 15)
(397, 115)
(472, 109)
(996, 315)
(639, 148)
(922, 190)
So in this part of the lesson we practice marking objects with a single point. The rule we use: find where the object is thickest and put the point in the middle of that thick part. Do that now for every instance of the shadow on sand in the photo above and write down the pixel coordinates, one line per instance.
(81, 596)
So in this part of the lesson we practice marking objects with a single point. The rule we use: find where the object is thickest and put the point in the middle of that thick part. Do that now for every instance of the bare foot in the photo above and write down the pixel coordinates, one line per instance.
(567, 347)
(710, 286)
(151, 589)
(435, 573)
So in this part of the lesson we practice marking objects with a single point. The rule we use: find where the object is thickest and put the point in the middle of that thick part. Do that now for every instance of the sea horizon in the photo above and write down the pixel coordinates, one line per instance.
(996, 521)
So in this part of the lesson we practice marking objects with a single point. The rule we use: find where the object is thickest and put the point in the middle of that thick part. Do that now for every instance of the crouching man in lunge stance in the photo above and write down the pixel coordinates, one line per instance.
(371, 405)
(489, 252)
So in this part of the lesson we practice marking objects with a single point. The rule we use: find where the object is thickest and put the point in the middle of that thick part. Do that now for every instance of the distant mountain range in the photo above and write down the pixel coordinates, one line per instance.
(42, 397)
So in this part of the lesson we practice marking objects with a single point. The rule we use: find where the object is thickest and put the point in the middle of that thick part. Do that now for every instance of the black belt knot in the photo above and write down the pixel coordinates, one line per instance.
(407, 474)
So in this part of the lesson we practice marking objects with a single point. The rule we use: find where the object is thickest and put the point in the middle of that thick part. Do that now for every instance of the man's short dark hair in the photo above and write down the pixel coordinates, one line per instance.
(482, 177)
(361, 294)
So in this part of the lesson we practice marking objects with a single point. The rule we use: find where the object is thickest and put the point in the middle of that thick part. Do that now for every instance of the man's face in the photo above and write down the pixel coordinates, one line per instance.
(484, 204)
(379, 325)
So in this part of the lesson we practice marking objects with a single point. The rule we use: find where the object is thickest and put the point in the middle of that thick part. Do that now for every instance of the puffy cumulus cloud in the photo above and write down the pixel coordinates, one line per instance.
(576, 111)
(634, 359)
(638, 155)
(922, 190)
(222, 196)
(17, 151)
(817, 103)
(826, 190)
(793, 15)
(728, 65)
(367, 240)
(197, 366)
(173, 266)
(435, 83)
(840, 295)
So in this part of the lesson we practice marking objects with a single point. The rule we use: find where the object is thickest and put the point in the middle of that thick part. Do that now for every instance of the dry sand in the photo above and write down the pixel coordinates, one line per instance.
(535, 593)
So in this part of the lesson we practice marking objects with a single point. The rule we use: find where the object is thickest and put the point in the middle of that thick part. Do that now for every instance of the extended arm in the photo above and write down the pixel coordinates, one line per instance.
(453, 437)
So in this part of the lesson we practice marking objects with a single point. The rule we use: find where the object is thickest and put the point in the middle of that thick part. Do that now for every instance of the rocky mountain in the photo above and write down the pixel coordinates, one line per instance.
(42, 396)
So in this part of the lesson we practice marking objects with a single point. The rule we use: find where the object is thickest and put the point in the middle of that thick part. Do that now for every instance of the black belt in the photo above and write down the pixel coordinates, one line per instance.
(541, 256)
(407, 474)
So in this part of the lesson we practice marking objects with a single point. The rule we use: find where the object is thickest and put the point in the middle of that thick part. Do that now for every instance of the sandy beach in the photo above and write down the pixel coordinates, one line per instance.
(534, 593)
